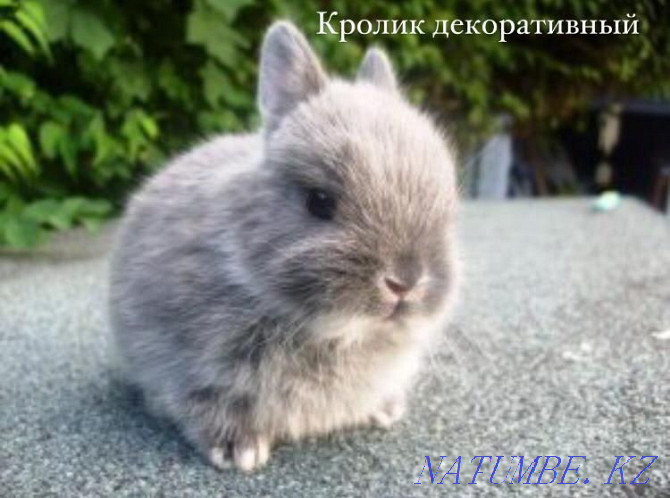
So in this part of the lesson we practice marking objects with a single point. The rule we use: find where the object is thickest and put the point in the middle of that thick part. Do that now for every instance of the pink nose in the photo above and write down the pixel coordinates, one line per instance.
(397, 287)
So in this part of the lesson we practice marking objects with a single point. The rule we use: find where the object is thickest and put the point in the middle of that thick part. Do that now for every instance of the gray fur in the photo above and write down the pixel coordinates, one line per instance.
(289, 72)
(376, 68)
(246, 320)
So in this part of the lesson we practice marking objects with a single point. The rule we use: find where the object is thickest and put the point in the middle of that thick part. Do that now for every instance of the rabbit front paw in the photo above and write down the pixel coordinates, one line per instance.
(246, 453)
(389, 413)
(251, 452)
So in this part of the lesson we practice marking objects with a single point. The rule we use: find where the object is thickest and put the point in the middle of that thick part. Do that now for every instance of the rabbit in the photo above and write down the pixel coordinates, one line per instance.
(289, 283)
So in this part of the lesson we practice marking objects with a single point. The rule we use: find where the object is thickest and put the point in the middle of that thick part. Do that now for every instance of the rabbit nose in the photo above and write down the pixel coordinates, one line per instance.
(399, 287)
(403, 276)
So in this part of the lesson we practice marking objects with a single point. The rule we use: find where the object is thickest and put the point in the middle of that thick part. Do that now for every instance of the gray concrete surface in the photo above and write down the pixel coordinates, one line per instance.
(552, 352)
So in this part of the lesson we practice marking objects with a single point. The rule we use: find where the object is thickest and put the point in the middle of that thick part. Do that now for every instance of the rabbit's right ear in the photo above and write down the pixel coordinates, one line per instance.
(377, 69)
(289, 73)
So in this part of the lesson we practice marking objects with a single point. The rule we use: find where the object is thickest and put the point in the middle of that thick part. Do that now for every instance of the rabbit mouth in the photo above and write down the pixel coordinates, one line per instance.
(396, 310)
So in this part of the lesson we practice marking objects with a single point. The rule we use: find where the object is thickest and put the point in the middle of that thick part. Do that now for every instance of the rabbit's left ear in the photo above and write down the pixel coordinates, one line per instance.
(289, 72)
(376, 68)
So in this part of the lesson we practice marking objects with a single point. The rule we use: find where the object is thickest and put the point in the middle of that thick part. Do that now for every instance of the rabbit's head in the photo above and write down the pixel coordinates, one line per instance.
(355, 212)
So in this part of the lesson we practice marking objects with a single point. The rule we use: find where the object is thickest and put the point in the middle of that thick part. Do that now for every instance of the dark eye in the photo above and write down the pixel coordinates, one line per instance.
(320, 204)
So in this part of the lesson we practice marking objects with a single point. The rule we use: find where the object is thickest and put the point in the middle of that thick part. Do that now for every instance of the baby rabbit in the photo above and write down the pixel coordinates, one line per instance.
(287, 283)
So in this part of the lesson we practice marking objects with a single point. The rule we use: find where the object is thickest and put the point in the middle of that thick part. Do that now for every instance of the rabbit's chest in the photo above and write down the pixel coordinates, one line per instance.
(324, 389)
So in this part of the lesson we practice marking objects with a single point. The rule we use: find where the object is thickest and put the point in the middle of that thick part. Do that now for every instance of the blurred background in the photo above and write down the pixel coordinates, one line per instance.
(96, 94)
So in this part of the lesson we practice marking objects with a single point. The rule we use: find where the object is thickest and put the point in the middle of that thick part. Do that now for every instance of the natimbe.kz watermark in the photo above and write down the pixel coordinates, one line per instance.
(504, 27)
(487, 469)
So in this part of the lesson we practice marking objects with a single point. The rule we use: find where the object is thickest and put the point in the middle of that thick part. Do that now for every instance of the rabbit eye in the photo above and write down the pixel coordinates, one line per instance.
(320, 204)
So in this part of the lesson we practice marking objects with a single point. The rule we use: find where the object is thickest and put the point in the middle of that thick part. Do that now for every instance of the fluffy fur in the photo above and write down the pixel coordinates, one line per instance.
(244, 318)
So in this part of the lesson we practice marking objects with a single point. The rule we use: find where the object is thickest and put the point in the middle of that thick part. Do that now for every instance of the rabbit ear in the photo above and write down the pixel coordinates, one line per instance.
(376, 68)
(289, 72)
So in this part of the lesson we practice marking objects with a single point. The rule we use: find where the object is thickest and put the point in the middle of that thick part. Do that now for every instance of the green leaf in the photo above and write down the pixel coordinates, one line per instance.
(57, 18)
(33, 27)
(218, 87)
(94, 208)
(149, 126)
(138, 128)
(14, 205)
(51, 134)
(18, 84)
(35, 11)
(60, 219)
(21, 233)
(75, 105)
(10, 162)
(172, 83)
(68, 151)
(19, 141)
(208, 27)
(515, 104)
(5, 191)
(131, 78)
(81, 206)
(228, 8)
(89, 31)
(97, 137)
(42, 210)
(19, 37)
(215, 82)
(72, 205)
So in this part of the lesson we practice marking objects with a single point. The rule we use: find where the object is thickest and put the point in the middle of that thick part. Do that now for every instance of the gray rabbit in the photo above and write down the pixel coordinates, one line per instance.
(287, 283)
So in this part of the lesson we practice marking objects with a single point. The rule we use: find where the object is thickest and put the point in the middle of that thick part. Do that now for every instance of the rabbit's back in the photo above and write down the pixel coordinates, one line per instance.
(179, 194)
(171, 287)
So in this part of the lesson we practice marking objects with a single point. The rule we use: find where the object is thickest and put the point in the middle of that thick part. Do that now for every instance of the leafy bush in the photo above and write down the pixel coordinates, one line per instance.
(95, 94)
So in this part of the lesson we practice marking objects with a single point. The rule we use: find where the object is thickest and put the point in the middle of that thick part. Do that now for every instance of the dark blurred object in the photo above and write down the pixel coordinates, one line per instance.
(625, 147)
(506, 166)
(545, 166)
(661, 194)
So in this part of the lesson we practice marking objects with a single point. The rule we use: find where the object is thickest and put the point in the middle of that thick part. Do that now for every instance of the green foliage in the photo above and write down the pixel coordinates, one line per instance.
(95, 94)
(25, 26)
(18, 161)
(24, 225)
